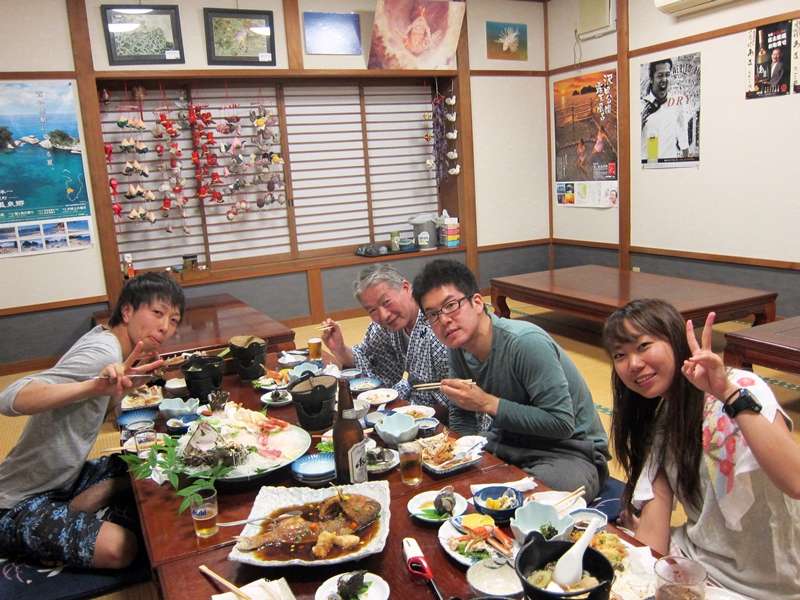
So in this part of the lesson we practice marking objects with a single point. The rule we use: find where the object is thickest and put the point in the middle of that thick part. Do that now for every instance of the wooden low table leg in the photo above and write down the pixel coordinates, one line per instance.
(734, 358)
(499, 302)
(768, 316)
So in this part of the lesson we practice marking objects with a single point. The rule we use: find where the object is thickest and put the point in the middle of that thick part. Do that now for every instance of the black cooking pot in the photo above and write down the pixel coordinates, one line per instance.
(537, 553)
(203, 375)
(313, 397)
(249, 355)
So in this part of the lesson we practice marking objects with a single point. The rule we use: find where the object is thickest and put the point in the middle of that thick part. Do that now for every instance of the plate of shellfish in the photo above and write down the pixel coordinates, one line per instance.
(358, 584)
(438, 506)
(335, 525)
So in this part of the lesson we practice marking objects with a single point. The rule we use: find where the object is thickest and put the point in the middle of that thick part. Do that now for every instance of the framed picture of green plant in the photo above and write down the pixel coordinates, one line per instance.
(142, 35)
(239, 37)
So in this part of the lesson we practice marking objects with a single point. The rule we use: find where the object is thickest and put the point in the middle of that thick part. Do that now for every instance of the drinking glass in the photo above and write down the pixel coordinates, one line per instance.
(204, 513)
(410, 462)
(315, 349)
(680, 578)
(144, 438)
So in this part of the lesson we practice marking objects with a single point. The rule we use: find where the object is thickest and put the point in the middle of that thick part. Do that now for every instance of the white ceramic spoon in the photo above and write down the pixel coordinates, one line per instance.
(569, 568)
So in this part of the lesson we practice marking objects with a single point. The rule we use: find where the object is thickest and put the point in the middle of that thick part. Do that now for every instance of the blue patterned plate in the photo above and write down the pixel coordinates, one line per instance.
(314, 466)
(137, 415)
(362, 384)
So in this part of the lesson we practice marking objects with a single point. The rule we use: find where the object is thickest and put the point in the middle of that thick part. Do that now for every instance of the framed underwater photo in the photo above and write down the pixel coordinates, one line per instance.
(142, 35)
(239, 37)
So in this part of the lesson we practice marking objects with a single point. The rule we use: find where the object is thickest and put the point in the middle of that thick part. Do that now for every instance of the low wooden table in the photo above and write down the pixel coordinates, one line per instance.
(209, 322)
(774, 345)
(594, 292)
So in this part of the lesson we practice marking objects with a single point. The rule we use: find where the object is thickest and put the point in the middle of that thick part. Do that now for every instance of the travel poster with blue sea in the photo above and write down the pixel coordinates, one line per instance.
(41, 169)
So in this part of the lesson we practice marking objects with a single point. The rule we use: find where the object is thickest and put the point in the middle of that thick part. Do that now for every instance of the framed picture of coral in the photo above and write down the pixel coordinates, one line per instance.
(142, 35)
(239, 37)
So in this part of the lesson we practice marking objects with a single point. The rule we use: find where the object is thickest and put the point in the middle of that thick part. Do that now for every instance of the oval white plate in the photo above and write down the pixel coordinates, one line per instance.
(415, 506)
(286, 398)
(420, 412)
(377, 470)
(130, 443)
(377, 396)
(553, 497)
(447, 531)
(379, 590)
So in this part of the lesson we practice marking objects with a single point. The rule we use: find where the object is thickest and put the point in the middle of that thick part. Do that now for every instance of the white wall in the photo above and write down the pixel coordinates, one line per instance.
(510, 159)
(741, 200)
(37, 279)
(505, 11)
(562, 19)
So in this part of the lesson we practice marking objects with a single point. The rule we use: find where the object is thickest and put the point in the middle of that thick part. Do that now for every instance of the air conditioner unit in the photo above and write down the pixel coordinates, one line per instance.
(682, 7)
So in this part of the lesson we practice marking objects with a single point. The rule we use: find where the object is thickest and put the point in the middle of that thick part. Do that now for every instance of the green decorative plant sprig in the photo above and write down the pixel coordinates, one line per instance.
(165, 455)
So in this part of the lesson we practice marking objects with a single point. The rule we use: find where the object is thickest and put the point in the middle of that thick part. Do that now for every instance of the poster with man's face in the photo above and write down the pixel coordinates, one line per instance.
(670, 111)
(768, 60)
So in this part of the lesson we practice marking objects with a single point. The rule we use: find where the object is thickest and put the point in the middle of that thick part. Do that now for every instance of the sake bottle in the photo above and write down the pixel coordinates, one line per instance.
(349, 446)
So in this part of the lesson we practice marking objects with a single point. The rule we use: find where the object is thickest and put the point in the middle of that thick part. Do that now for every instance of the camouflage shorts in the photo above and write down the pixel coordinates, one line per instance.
(43, 528)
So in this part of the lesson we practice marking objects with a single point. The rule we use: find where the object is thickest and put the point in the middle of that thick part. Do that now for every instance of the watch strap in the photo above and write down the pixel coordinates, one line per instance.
(745, 401)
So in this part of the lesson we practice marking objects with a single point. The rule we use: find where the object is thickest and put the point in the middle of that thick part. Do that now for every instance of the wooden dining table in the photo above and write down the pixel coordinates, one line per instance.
(175, 552)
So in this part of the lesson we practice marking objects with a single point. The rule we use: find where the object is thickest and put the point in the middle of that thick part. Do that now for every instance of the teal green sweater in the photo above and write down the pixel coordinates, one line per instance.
(543, 396)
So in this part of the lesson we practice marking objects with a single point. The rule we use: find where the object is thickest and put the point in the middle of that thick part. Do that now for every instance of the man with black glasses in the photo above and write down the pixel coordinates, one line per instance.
(545, 421)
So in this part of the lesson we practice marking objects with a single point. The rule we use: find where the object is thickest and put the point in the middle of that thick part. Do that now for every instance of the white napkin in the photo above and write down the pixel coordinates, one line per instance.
(331, 369)
(637, 580)
(261, 589)
(523, 485)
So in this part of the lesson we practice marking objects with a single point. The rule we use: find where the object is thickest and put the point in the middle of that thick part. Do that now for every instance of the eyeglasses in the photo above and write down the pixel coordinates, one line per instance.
(447, 309)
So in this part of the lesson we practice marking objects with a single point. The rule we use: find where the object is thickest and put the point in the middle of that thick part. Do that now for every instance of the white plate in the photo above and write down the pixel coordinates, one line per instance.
(128, 404)
(377, 396)
(291, 360)
(130, 443)
(447, 531)
(379, 590)
(267, 383)
(415, 506)
(553, 497)
(420, 412)
(271, 499)
(377, 470)
(286, 398)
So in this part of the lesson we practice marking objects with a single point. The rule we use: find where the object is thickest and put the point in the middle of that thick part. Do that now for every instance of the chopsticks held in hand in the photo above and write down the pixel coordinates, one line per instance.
(566, 500)
(323, 327)
(434, 385)
(224, 582)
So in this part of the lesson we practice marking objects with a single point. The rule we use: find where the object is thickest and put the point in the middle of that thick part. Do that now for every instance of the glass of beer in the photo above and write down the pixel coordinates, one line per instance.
(144, 438)
(204, 513)
(314, 349)
(410, 462)
(679, 578)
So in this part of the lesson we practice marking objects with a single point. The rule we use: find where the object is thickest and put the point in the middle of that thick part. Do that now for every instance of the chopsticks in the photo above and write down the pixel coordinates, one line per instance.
(224, 582)
(435, 385)
(323, 327)
(566, 500)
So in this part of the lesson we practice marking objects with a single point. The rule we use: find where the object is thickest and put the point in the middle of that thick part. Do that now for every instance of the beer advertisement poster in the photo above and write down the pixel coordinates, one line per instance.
(670, 110)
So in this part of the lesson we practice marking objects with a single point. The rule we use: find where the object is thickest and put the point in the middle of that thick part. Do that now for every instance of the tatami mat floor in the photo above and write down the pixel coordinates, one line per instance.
(580, 338)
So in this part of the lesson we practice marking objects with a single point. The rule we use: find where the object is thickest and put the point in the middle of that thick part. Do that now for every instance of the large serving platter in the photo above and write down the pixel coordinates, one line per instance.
(303, 443)
(271, 499)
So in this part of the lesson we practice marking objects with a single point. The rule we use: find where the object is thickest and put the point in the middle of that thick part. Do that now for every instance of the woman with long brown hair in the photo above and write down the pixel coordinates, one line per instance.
(685, 428)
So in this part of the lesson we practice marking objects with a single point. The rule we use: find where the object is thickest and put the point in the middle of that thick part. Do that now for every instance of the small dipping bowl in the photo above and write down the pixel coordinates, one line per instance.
(349, 374)
(180, 425)
(427, 426)
(497, 578)
(176, 388)
(496, 491)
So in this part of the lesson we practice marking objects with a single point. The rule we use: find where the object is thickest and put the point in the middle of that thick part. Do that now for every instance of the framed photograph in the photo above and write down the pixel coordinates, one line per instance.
(142, 35)
(239, 37)
(332, 33)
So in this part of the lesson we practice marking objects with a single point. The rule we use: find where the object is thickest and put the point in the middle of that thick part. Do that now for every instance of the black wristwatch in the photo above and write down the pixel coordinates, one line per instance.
(745, 401)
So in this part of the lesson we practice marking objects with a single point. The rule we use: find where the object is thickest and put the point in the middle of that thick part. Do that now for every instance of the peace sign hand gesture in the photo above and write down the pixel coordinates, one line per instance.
(705, 369)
